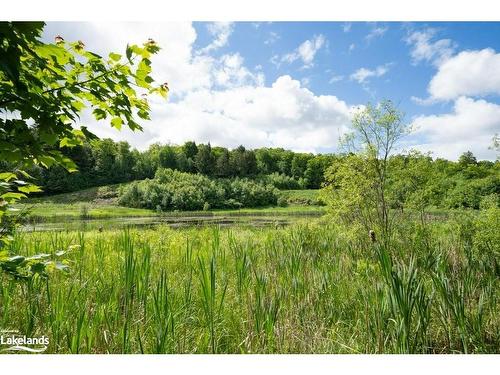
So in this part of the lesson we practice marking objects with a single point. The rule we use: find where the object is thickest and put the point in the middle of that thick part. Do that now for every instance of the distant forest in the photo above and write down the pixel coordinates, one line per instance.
(101, 162)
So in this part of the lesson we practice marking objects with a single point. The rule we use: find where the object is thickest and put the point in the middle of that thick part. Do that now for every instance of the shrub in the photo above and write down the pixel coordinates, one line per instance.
(284, 182)
(174, 190)
(282, 201)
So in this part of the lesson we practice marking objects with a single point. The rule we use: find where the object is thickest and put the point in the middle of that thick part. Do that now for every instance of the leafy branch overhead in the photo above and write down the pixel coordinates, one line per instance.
(44, 90)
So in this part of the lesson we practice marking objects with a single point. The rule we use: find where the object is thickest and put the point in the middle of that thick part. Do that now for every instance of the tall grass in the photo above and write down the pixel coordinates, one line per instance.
(307, 288)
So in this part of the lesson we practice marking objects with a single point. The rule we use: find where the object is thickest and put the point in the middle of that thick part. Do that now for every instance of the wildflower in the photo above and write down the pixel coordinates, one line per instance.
(372, 236)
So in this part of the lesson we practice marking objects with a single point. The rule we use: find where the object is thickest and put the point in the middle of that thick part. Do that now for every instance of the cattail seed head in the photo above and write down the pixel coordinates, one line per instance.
(373, 238)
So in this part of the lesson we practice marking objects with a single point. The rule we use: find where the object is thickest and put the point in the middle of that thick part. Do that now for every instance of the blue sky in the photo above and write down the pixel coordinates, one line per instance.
(296, 84)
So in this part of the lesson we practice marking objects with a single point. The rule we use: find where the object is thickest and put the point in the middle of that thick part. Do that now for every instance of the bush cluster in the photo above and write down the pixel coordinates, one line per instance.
(174, 190)
(283, 182)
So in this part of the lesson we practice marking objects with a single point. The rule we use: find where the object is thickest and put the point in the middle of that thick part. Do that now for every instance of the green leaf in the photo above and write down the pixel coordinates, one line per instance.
(78, 105)
(11, 196)
(49, 138)
(46, 161)
(128, 52)
(29, 189)
(117, 123)
(143, 114)
(99, 114)
(115, 56)
(7, 176)
(70, 142)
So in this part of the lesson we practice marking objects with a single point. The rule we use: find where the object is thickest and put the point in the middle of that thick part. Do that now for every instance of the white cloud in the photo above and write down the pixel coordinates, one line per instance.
(272, 38)
(176, 63)
(363, 75)
(346, 27)
(376, 32)
(336, 78)
(352, 46)
(306, 81)
(283, 115)
(470, 127)
(470, 73)
(425, 49)
(221, 32)
(306, 51)
(229, 71)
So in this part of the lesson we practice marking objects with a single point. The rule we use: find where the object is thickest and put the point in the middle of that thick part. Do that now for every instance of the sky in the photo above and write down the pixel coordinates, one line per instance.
(297, 85)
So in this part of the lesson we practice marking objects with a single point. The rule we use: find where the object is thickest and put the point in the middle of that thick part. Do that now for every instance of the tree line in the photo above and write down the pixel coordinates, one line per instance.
(104, 161)
(444, 183)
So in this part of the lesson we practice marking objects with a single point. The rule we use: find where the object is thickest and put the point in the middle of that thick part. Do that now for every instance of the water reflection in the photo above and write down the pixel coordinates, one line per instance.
(173, 222)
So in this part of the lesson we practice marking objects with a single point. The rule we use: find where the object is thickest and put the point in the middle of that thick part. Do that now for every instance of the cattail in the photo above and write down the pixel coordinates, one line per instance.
(58, 39)
(372, 236)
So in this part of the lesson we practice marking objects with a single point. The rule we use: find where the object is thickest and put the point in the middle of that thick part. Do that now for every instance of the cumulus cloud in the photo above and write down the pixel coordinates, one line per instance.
(229, 71)
(424, 48)
(363, 75)
(469, 127)
(283, 115)
(176, 63)
(306, 51)
(216, 99)
(469, 73)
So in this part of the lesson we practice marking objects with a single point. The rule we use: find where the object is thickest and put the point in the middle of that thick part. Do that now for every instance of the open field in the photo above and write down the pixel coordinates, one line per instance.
(305, 288)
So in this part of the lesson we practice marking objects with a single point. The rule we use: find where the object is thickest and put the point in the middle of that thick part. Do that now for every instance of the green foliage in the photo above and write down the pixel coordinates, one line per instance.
(284, 182)
(174, 190)
(44, 88)
(350, 194)
(205, 160)
(27, 267)
(49, 85)
(304, 288)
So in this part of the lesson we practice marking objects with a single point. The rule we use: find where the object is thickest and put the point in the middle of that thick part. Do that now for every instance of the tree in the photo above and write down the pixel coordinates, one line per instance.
(413, 183)
(190, 149)
(44, 88)
(223, 165)
(466, 159)
(285, 162)
(205, 160)
(360, 184)
(249, 163)
(314, 173)
(299, 165)
(167, 157)
(265, 161)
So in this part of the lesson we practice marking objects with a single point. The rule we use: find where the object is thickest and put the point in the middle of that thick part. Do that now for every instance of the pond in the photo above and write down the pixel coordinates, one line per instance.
(172, 221)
